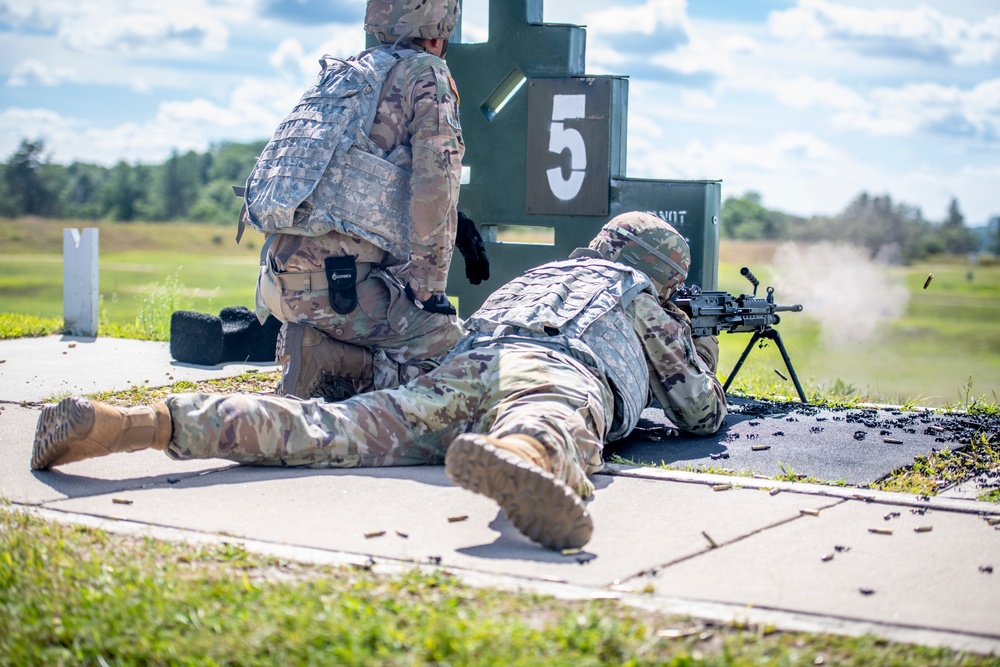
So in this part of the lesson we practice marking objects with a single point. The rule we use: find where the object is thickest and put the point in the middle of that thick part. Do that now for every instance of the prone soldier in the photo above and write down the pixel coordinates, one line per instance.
(554, 364)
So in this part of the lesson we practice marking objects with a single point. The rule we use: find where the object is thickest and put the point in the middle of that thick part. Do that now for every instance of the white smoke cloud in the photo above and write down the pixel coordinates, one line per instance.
(839, 287)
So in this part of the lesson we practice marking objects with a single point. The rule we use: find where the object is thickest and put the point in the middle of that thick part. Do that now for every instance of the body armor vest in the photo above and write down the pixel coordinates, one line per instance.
(577, 306)
(321, 155)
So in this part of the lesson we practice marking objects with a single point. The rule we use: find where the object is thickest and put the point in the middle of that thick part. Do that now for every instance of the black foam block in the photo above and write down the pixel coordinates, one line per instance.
(235, 335)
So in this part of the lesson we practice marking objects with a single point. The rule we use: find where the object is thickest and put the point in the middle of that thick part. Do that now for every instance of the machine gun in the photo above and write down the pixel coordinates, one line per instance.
(714, 312)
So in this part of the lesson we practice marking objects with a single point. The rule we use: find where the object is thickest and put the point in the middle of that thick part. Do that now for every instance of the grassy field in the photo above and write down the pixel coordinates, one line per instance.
(202, 263)
(72, 595)
(942, 348)
(77, 596)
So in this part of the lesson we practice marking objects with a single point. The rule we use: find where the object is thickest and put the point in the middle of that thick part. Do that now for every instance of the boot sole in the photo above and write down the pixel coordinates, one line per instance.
(540, 506)
(60, 427)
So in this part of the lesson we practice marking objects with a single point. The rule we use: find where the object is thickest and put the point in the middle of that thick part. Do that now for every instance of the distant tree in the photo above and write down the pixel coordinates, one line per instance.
(216, 203)
(995, 226)
(121, 194)
(81, 195)
(233, 162)
(25, 185)
(183, 176)
(746, 218)
(957, 238)
(889, 231)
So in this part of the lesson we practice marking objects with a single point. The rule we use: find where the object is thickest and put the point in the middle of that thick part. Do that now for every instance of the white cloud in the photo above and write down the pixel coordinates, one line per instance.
(31, 72)
(806, 92)
(929, 107)
(145, 32)
(253, 111)
(646, 18)
(131, 26)
(657, 40)
(922, 32)
(294, 64)
(288, 58)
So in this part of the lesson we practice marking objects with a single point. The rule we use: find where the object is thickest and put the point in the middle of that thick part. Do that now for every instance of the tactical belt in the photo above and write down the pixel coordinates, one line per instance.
(315, 281)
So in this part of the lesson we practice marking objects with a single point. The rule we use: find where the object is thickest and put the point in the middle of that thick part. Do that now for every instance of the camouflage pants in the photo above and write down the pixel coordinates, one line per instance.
(405, 341)
(495, 390)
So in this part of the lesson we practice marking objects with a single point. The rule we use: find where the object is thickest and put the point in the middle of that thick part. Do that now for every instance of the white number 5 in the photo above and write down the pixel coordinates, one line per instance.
(561, 138)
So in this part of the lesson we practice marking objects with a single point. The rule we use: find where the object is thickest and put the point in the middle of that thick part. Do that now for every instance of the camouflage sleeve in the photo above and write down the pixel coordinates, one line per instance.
(436, 139)
(696, 402)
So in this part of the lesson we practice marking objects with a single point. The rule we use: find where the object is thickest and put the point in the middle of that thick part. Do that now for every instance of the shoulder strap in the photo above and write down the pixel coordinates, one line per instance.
(399, 55)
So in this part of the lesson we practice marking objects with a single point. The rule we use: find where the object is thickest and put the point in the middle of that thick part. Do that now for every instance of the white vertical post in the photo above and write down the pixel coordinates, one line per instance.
(80, 286)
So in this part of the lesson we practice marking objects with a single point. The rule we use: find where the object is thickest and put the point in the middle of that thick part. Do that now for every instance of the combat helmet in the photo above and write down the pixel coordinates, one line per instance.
(649, 244)
(391, 20)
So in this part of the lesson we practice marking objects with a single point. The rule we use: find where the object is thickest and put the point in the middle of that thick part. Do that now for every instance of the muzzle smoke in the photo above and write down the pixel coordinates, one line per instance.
(838, 286)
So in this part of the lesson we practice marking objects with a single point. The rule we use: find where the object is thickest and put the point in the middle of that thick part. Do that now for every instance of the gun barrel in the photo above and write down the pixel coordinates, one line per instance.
(797, 308)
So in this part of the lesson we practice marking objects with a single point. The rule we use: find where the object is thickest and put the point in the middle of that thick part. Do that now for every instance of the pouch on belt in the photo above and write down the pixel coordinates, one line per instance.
(341, 277)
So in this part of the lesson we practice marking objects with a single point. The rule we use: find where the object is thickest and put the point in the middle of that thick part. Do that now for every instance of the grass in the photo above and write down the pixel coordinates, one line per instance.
(948, 334)
(78, 596)
(202, 264)
(71, 595)
(945, 345)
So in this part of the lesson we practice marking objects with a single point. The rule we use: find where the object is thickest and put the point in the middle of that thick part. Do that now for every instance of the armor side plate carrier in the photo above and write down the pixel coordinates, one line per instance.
(578, 306)
(325, 136)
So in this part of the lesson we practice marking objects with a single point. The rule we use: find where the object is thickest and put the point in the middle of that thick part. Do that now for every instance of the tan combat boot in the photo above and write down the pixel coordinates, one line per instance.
(516, 472)
(78, 429)
(313, 364)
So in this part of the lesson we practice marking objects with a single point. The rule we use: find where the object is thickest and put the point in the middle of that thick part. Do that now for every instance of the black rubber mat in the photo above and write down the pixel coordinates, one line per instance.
(856, 446)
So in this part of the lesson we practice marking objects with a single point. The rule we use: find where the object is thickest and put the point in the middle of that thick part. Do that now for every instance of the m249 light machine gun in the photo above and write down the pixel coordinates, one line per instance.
(714, 312)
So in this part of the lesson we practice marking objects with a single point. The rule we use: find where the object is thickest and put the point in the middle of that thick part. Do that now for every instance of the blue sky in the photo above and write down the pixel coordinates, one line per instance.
(808, 102)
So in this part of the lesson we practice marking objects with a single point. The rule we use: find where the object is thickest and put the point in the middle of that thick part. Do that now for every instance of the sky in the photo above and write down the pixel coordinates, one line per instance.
(807, 102)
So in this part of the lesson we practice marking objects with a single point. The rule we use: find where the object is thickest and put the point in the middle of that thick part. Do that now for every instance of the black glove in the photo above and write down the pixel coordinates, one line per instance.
(437, 303)
(470, 244)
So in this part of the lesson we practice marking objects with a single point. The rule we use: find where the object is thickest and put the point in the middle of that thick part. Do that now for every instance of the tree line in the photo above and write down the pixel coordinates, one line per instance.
(892, 232)
(198, 187)
(191, 186)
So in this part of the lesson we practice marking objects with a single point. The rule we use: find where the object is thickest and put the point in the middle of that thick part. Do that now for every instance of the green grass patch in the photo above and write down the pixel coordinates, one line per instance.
(948, 333)
(930, 473)
(943, 350)
(77, 596)
(18, 325)
(200, 266)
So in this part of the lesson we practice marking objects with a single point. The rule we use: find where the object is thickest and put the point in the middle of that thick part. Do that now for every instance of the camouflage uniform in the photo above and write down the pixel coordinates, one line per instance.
(509, 380)
(554, 364)
(418, 109)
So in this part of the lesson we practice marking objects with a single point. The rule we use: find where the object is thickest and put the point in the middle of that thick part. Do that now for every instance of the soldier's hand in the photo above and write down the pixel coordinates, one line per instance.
(470, 244)
(676, 311)
(436, 303)
(708, 349)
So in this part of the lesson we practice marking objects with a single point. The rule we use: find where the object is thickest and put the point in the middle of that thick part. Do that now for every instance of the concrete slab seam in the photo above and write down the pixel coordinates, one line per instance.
(959, 505)
(653, 571)
(716, 612)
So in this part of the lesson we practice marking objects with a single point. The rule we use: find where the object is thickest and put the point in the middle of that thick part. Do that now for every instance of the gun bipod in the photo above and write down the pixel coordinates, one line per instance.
(771, 334)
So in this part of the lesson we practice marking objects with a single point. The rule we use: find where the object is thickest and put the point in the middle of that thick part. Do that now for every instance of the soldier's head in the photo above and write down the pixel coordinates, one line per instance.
(647, 243)
(403, 20)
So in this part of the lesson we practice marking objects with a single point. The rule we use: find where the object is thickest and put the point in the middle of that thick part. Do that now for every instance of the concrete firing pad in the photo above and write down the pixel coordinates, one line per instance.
(920, 579)
(36, 369)
(18, 483)
(640, 524)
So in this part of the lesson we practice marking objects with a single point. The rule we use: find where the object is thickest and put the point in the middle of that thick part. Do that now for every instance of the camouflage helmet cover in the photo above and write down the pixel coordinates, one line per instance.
(390, 20)
(649, 244)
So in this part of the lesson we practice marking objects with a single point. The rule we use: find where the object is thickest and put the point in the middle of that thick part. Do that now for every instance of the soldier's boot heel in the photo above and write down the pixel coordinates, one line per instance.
(514, 471)
(77, 429)
(313, 364)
